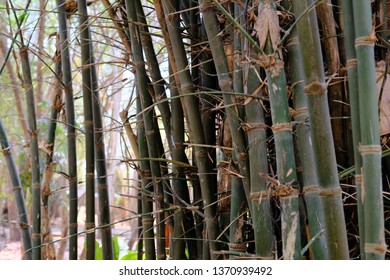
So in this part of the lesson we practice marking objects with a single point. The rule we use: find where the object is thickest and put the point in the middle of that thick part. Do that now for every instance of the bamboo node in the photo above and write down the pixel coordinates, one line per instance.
(293, 41)
(105, 227)
(260, 196)
(271, 64)
(243, 156)
(102, 186)
(90, 226)
(352, 63)
(282, 127)
(284, 191)
(33, 133)
(370, 149)
(330, 191)
(373, 248)
(36, 235)
(358, 179)
(23, 225)
(146, 173)
(71, 135)
(368, 40)
(310, 189)
(23, 50)
(7, 151)
(247, 127)
(73, 225)
(89, 123)
(147, 221)
(226, 83)
(72, 179)
(299, 112)
(149, 133)
(202, 153)
(207, 5)
(237, 247)
(315, 88)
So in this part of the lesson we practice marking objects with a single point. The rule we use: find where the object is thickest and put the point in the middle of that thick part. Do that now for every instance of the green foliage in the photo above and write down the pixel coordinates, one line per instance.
(121, 251)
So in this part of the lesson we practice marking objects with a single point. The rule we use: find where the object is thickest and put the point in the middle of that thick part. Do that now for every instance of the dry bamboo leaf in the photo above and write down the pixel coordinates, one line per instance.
(267, 23)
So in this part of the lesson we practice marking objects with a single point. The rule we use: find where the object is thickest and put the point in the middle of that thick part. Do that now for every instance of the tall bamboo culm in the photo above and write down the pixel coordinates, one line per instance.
(18, 193)
(146, 188)
(304, 148)
(195, 124)
(89, 129)
(369, 148)
(268, 32)
(257, 149)
(70, 129)
(150, 132)
(353, 90)
(101, 166)
(324, 155)
(48, 249)
(225, 82)
(34, 150)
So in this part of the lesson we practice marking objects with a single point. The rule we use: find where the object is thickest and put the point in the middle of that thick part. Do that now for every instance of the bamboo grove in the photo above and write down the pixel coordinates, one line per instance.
(255, 129)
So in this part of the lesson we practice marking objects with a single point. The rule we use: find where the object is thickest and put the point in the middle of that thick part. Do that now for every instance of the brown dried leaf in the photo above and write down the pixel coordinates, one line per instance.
(267, 23)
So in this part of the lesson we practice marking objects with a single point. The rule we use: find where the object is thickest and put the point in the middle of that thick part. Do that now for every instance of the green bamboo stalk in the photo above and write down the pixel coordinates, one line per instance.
(140, 243)
(327, 25)
(184, 221)
(18, 193)
(150, 132)
(48, 249)
(238, 209)
(239, 204)
(324, 155)
(268, 33)
(70, 128)
(147, 188)
(304, 147)
(34, 150)
(154, 70)
(101, 167)
(89, 128)
(353, 90)
(370, 149)
(194, 118)
(226, 85)
(257, 149)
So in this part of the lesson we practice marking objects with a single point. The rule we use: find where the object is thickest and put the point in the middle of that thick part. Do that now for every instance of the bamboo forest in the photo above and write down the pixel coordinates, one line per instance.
(195, 129)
